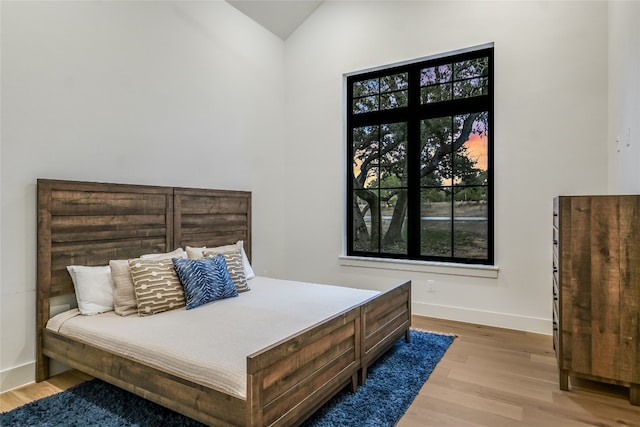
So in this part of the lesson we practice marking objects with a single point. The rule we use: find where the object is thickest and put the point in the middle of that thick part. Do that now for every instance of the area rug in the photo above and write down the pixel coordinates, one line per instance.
(392, 384)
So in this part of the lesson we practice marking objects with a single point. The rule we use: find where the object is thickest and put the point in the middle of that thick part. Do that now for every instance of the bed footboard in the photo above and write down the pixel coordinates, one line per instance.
(196, 401)
(385, 319)
(290, 380)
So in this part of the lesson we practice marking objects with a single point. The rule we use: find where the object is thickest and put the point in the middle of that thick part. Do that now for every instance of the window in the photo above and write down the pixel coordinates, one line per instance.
(419, 163)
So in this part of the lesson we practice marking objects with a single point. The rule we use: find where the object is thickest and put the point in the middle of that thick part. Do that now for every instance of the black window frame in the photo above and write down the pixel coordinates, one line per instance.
(413, 114)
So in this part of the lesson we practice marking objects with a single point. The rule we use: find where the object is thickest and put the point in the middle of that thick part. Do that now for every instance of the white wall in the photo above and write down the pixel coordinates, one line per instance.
(624, 97)
(550, 131)
(159, 93)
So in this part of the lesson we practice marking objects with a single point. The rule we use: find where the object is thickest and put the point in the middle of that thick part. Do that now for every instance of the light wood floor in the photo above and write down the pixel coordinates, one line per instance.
(488, 377)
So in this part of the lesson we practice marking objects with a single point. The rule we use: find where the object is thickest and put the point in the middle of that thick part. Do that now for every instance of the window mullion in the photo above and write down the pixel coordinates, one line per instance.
(377, 190)
(453, 195)
(414, 166)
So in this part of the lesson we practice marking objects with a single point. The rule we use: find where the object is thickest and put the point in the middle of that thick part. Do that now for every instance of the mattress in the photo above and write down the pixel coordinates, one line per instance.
(209, 344)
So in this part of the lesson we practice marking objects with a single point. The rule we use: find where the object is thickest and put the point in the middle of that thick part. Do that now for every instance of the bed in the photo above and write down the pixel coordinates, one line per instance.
(84, 223)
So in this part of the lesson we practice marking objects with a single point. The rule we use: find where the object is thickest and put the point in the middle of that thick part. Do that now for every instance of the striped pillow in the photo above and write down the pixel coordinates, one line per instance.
(204, 280)
(235, 267)
(156, 286)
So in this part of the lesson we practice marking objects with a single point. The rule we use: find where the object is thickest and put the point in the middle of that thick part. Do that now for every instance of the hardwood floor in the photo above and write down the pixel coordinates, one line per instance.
(500, 377)
(30, 392)
(488, 377)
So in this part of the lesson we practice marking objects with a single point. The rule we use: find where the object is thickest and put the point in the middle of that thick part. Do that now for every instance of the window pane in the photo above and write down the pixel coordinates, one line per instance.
(393, 100)
(435, 75)
(472, 152)
(475, 195)
(394, 82)
(393, 209)
(472, 68)
(471, 224)
(393, 155)
(364, 105)
(365, 165)
(362, 220)
(435, 93)
(471, 87)
(435, 222)
(435, 157)
(366, 87)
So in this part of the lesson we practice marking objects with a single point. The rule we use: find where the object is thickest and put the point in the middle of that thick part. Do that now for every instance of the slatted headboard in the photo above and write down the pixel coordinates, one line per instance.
(88, 223)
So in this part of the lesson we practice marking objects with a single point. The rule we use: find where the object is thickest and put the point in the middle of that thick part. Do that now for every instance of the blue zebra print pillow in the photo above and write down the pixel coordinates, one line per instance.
(204, 280)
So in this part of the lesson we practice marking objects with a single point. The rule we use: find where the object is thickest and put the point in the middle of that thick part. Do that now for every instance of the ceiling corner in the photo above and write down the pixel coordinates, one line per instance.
(281, 17)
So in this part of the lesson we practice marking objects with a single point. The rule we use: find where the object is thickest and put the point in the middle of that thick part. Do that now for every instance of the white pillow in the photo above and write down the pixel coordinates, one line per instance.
(94, 288)
(248, 270)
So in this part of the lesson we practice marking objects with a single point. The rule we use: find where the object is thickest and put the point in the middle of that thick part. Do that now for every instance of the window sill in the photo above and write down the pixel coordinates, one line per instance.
(472, 270)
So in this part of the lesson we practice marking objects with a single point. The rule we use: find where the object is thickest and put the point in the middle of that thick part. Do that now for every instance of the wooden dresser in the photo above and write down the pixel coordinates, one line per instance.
(596, 289)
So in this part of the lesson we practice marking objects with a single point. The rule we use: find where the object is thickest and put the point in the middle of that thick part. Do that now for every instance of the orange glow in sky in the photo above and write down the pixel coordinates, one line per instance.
(477, 150)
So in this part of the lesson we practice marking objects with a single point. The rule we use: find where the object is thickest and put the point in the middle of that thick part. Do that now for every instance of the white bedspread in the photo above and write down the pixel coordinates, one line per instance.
(209, 344)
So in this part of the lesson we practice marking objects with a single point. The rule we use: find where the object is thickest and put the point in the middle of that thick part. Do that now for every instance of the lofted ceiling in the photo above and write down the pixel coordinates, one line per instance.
(281, 17)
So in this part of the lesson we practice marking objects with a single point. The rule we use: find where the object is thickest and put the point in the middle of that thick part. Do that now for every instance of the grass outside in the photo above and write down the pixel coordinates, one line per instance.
(470, 236)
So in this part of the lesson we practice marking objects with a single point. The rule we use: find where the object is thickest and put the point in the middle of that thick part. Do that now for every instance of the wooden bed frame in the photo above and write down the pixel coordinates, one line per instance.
(84, 223)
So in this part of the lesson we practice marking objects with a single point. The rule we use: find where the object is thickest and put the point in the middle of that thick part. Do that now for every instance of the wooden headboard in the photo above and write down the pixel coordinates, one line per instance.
(89, 223)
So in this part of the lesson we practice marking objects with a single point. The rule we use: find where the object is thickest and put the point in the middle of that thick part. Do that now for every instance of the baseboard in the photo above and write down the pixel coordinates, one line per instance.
(488, 318)
(17, 376)
(26, 374)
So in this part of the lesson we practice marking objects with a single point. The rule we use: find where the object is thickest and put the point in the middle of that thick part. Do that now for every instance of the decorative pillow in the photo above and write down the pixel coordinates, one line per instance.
(178, 253)
(235, 267)
(156, 286)
(198, 253)
(204, 280)
(124, 296)
(94, 289)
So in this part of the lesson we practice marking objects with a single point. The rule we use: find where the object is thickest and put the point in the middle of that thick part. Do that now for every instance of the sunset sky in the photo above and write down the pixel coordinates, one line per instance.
(477, 150)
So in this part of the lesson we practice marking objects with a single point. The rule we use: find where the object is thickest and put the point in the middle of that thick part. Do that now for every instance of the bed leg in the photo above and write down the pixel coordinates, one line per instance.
(362, 375)
(634, 394)
(407, 337)
(354, 382)
(42, 368)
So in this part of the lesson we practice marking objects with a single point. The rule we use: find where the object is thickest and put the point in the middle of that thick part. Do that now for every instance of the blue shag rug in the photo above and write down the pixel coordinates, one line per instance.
(392, 384)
